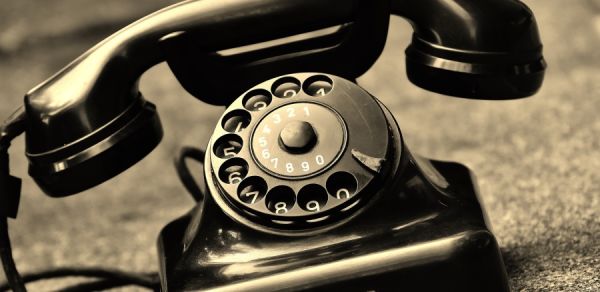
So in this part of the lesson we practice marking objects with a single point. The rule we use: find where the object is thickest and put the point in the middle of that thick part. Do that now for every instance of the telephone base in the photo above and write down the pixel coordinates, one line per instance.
(429, 234)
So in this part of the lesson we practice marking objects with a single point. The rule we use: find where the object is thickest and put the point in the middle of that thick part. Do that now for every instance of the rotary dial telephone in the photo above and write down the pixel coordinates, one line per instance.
(308, 182)
(299, 151)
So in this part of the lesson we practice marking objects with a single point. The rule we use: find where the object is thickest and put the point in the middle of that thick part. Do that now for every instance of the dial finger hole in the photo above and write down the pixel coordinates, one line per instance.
(280, 200)
(286, 87)
(257, 100)
(312, 198)
(252, 190)
(228, 146)
(319, 85)
(233, 171)
(236, 121)
(342, 185)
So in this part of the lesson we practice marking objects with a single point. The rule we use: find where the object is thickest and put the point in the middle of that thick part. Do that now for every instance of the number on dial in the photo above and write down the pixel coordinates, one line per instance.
(313, 206)
(281, 208)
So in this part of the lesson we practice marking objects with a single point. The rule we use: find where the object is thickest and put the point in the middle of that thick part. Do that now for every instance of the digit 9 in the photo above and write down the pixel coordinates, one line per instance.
(312, 198)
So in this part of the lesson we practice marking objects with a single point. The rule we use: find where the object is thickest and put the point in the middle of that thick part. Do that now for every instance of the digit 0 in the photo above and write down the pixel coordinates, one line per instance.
(320, 159)
(342, 193)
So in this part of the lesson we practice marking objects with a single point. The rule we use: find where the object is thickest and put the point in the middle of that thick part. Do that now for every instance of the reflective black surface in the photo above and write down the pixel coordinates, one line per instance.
(423, 229)
(348, 51)
(486, 49)
(428, 232)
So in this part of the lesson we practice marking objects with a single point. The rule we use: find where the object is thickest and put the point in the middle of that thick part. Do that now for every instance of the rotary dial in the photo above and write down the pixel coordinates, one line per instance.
(298, 151)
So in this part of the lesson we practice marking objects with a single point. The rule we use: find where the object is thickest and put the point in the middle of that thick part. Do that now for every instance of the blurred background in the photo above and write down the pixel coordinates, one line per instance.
(537, 159)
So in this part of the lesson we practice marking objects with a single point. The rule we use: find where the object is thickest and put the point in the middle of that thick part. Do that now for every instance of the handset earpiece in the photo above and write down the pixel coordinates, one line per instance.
(488, 49)
(89, 122)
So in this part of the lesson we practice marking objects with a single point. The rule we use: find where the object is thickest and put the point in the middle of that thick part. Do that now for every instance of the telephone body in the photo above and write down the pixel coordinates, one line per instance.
(308, 182)
(354, 210)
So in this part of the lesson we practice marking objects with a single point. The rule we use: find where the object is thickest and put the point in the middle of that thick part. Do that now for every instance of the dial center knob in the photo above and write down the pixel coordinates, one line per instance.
(298, 137)
(298, 140)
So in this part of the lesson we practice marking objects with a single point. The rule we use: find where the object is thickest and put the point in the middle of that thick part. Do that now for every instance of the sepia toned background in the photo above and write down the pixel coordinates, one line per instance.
(537, 159)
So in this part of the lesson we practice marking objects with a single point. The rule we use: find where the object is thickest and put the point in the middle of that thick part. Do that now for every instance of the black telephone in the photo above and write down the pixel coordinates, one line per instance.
(308, 183)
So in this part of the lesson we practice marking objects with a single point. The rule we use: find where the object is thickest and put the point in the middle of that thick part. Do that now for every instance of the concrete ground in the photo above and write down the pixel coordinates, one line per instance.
(537, 159)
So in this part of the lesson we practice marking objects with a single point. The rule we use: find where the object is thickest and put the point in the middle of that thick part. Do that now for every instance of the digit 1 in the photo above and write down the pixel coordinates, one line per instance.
(239, 127)
(306, 111)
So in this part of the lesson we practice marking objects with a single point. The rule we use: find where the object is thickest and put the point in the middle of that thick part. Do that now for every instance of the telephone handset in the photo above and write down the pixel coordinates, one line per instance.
(310, 185)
